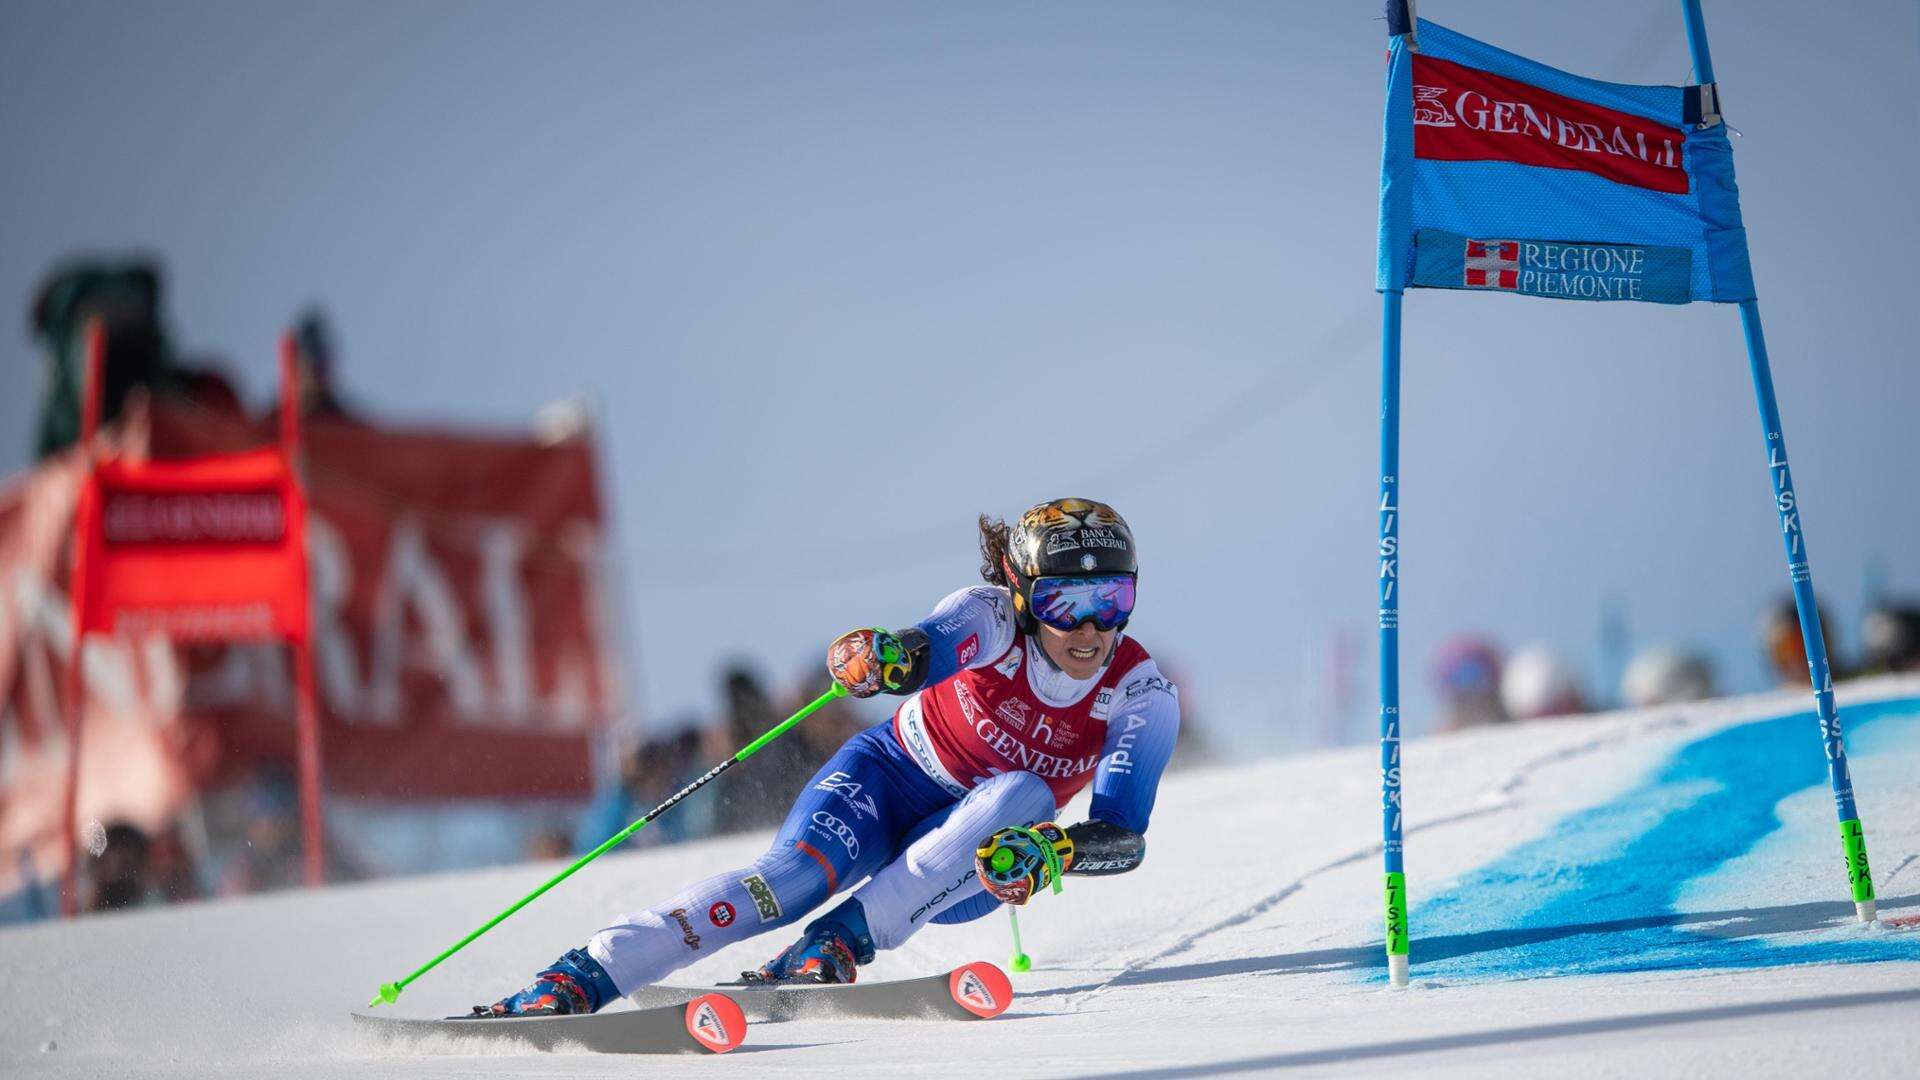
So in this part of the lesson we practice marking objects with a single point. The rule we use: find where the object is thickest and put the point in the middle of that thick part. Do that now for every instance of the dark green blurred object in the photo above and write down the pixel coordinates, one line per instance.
(126, 296)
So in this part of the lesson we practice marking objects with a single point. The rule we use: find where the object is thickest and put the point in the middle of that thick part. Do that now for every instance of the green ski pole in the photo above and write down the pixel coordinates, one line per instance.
(389, 992)
(1020, 960)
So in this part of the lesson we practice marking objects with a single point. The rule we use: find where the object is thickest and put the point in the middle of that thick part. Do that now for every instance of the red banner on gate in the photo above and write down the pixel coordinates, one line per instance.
(1465, 114)
(460, 642)
(200, 549)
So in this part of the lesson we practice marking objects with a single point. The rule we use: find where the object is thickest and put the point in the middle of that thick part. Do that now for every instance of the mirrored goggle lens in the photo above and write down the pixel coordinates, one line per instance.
(1065, 603)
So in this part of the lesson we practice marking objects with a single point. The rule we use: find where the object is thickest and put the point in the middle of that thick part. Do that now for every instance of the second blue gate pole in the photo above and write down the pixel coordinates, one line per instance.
(1852, 836)
(1396, 892)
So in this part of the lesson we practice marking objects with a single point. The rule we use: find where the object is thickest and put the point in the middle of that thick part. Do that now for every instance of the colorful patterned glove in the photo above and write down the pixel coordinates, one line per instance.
(871, 661)
(1018, 861)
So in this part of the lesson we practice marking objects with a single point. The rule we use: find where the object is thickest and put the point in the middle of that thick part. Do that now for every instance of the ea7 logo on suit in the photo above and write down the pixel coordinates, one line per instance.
(843, 785)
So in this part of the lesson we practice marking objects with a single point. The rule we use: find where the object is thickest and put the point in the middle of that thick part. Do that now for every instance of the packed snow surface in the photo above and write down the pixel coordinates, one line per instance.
(1649, 893)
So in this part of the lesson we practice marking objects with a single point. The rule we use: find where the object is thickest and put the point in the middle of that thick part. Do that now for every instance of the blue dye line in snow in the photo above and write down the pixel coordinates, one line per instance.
(1597, 893)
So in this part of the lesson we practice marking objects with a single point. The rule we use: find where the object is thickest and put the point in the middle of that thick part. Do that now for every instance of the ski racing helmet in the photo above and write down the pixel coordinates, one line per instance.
(1072, 539)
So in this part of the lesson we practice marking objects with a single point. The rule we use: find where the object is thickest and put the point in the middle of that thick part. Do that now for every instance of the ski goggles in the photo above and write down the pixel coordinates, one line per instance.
(1065, 602)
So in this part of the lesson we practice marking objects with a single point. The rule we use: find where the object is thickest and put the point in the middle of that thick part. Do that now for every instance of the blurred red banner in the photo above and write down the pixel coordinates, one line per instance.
(458, 637)
(200, 549)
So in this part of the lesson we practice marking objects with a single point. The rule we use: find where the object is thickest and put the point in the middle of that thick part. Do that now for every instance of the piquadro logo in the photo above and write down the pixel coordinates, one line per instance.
(966, 878)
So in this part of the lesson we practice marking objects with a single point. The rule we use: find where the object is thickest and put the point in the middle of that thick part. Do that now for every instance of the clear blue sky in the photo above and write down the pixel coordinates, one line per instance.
(840, 276)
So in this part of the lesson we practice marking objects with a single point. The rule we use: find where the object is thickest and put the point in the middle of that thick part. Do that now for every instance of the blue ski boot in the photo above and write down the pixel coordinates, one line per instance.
(831, 950)
(575, 983)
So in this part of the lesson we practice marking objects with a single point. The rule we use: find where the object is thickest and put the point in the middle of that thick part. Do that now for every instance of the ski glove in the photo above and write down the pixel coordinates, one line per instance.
(1018, 861)
(1101, 847)
(873, 661)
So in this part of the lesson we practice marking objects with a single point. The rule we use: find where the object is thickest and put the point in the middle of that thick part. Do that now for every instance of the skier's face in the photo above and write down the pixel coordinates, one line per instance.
(1080, 651)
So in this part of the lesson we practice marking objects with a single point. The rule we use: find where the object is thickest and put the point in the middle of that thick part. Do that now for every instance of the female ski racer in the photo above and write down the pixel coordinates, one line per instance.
(1018, 694)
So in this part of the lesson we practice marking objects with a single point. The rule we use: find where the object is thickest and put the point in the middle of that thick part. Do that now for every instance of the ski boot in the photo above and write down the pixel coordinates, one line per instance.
(575, 983)
(830, 951)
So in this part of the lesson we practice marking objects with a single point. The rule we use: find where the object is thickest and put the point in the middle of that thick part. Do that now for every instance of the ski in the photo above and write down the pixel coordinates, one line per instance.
(976, 991)
(702, 1022)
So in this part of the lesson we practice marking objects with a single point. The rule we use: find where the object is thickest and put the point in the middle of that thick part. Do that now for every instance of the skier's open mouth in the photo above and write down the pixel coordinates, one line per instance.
(1087, 653)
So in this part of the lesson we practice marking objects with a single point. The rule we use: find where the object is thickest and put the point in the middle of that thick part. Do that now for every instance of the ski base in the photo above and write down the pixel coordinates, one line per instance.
(703, 1023)
(976, 991)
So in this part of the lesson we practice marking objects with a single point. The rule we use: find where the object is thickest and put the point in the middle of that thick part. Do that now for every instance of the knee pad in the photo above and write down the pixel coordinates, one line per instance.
(1020, 797)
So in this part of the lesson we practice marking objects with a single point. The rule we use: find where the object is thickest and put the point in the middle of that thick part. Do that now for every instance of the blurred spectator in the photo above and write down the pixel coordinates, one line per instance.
(1666, 675)
(552, 842)
(206, 385)
(1784, 647)
(1466, 675)
(272, 852)
(319, 394)
(134, 869)
(36, 897)
(833, 723)
(126, 298)
(653, 772)
(757, 794)
(122, 872)
(1890, 639)
(174, 874)
(1537, 682)
(270, 857)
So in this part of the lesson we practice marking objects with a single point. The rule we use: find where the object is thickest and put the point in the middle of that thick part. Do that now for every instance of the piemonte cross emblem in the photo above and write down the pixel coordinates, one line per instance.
(1492, 264)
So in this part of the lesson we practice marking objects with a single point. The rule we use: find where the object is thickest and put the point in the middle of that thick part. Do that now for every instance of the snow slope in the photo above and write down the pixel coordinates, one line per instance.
(1655, 893)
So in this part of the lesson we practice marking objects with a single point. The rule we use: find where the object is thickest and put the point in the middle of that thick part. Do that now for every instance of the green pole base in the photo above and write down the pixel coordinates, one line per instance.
(386, 995)
(1859, 876)
(1397, 972)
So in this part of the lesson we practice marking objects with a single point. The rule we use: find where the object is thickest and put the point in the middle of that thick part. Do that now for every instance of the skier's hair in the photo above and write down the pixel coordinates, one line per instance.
(994, 534)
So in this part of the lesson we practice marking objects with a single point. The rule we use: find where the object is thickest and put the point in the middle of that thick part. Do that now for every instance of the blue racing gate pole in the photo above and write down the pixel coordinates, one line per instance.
(1396, 894)
(1852, 836)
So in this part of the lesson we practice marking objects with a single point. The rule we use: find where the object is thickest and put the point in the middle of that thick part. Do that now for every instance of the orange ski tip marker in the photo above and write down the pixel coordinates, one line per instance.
(981, 989)
(716, 1022)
